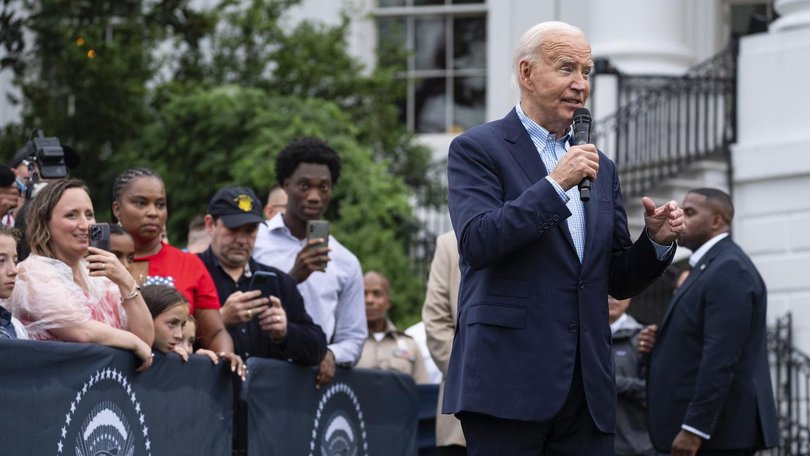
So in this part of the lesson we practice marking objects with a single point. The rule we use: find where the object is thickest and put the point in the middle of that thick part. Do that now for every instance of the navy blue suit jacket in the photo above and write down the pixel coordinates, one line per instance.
(526, 302)
(709, 368)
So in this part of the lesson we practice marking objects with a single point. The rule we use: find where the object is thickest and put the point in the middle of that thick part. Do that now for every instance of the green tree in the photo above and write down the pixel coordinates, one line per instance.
(231, 135)
(250, 46)
(84, 74)
(84, 77)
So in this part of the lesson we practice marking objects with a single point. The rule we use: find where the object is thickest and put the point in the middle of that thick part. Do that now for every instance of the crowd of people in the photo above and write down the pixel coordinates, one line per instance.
(516, 317)
(142, 294)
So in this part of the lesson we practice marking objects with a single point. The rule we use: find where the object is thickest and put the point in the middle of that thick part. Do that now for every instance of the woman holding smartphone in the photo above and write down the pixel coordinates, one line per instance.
(69, 291)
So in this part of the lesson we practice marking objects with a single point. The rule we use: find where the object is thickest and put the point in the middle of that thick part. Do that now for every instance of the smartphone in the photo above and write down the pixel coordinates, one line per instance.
(318, 229)
(100, 236)
(265, 281)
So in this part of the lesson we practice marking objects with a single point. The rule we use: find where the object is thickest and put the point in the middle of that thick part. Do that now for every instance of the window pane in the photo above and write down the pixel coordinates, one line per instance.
(430, 44)
(428, 2)
(392, 3)
(458, 2)
(391, 44)
(469, 106)
(431, 105)
(470, 43)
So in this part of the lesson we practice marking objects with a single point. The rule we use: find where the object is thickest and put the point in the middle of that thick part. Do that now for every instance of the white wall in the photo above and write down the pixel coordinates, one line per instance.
(772, 170)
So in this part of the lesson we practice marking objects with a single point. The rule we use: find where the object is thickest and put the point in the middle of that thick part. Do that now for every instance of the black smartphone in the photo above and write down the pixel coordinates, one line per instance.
(100, 236)
(265, 281)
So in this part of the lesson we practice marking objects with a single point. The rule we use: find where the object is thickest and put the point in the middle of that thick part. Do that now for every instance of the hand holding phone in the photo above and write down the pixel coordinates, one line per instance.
(266, 282)
(314, 256)
(318, 229)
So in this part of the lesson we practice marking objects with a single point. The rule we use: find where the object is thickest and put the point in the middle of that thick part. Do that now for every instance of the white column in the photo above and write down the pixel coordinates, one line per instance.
(794, 14)
(772, 166)
(641, 36)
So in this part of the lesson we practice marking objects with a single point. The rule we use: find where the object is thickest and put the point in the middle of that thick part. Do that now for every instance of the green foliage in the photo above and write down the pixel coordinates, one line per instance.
(83, 79)
(312, 60)
(231, 135)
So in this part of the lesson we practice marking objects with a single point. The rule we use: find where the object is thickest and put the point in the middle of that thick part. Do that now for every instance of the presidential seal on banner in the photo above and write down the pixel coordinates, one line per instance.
(105, 418)
(339, 427)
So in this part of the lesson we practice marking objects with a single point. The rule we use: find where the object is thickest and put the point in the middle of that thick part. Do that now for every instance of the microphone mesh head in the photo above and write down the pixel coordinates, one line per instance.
(582, 115)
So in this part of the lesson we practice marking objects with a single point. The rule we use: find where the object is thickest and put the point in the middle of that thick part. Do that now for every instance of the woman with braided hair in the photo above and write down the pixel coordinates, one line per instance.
(139, 205)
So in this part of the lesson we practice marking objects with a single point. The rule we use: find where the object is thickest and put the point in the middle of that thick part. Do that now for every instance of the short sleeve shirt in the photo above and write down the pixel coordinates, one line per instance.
(185, 272)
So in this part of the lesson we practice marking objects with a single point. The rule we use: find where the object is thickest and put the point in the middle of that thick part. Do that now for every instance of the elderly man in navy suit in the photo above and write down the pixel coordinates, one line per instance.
(709, 387)
(531, 370)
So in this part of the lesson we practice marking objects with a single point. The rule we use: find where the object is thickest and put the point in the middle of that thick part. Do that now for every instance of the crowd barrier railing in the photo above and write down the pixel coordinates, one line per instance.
(59, 398)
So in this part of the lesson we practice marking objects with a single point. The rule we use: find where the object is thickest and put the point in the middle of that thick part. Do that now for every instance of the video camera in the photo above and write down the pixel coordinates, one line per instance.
(54, 160)
(50, 155)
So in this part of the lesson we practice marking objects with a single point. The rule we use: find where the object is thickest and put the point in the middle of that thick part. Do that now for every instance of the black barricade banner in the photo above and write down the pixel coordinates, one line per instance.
(361, 412)
(59, 398)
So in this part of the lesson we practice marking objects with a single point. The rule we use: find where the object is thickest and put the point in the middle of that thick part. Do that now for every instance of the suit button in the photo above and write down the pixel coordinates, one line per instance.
(539, 231)
(545, 226)
(572, 328)
(556, 218)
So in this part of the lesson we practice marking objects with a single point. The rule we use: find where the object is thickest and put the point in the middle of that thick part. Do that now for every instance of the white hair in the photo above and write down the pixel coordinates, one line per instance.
(528, 47)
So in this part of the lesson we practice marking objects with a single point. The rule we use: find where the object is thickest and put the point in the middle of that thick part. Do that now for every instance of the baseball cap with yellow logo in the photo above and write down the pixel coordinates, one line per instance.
(236, 206)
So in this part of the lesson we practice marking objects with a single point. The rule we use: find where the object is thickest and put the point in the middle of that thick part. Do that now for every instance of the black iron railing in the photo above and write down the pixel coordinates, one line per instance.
(790, 370)
(665, 123)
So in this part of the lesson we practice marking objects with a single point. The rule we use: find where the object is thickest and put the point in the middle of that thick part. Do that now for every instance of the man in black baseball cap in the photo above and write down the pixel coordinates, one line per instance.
(236, 206)
(268, 327)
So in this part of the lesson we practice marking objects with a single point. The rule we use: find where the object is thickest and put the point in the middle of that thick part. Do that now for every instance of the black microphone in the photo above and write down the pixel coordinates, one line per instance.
(582, 135)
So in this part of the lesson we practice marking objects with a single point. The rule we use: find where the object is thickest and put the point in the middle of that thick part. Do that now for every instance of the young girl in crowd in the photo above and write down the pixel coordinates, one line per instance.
(139, 205)
(122, 246)
(10, 327)
(189, 334)
(169, 309)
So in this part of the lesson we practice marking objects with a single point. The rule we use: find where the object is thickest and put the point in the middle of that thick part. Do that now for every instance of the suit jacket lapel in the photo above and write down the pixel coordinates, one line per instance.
(525, 153)
(693, 277)
(591, 214)
(522, 148)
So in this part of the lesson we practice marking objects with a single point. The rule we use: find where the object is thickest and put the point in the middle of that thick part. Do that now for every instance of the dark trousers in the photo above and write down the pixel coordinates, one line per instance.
(451, 450)
(571, 432)
(721, 453)
(726, 453)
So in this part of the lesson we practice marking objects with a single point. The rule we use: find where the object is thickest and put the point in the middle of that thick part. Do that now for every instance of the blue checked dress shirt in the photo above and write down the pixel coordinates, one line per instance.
(551, 149)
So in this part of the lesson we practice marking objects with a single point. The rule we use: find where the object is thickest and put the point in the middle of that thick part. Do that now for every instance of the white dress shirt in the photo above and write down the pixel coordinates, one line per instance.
(334, 299)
